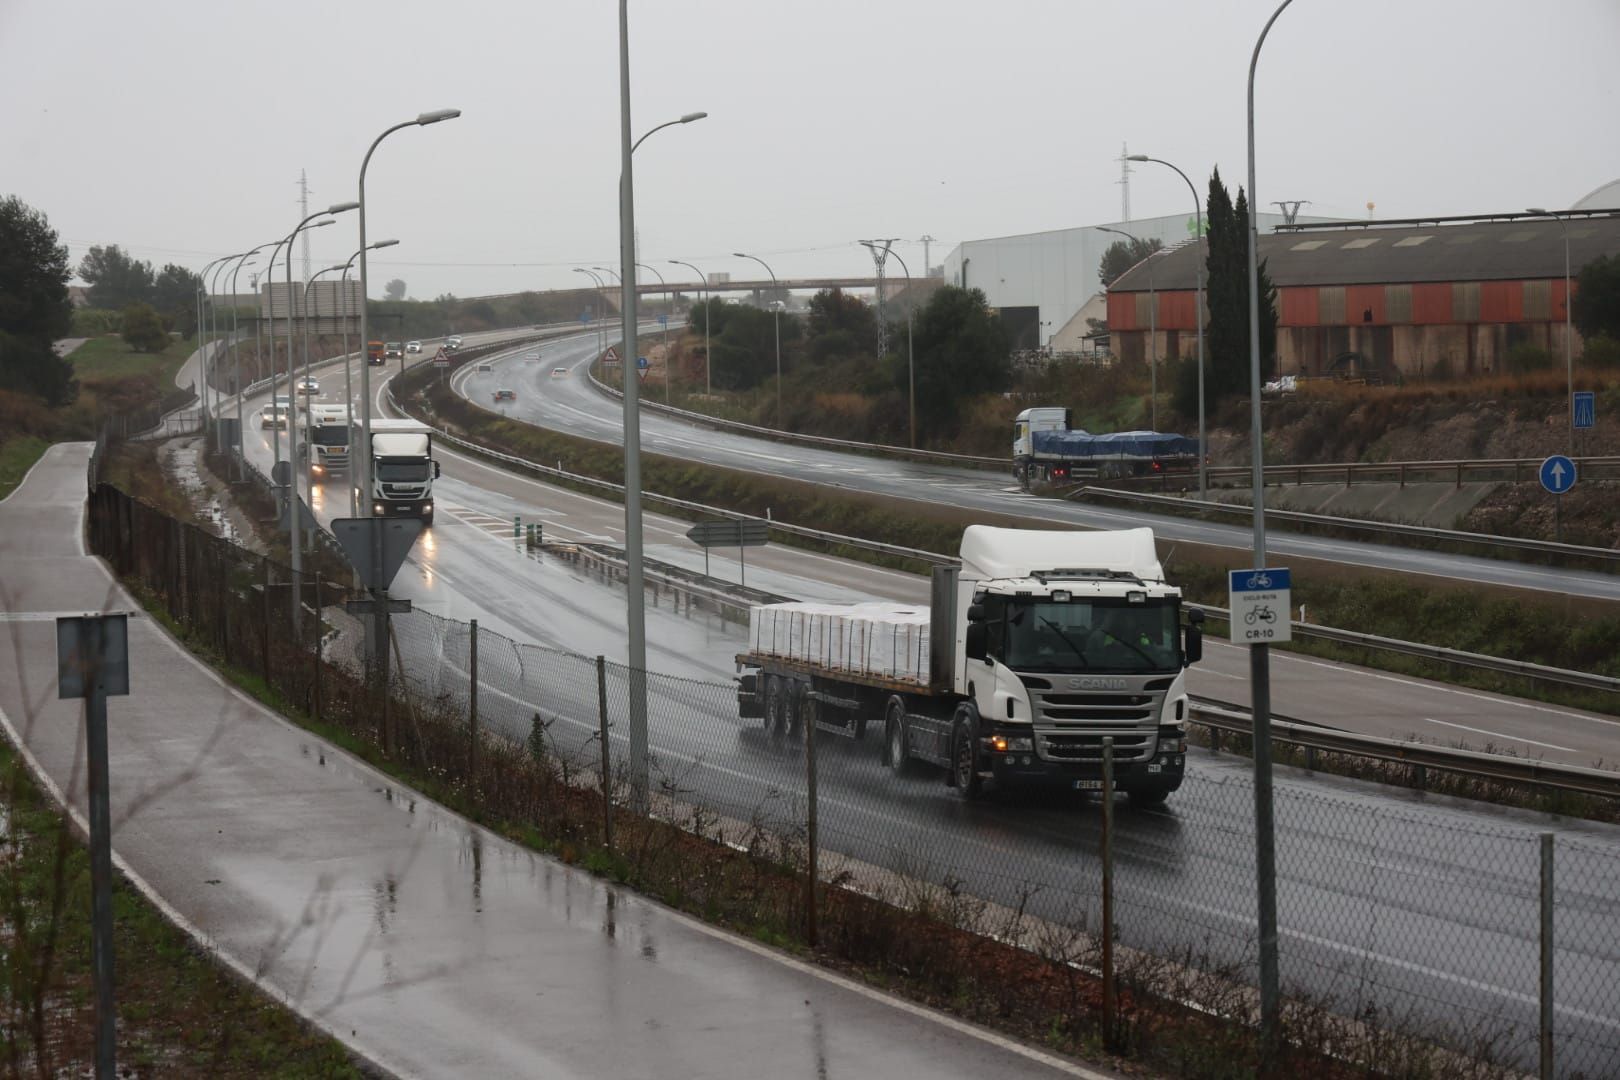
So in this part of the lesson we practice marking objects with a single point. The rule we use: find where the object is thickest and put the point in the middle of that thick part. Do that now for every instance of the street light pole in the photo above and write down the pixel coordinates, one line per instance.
(1569, 325)
(236, 359)
(1198, 210)
(600, 289)
(911, 361)
(778, 320)
(204, 293)
(348, 368)
(1265, 829)
(365, 371)
(708, 367)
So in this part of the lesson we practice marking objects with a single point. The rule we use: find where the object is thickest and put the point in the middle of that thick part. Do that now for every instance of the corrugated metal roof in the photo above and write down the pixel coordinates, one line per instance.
(1374, 254)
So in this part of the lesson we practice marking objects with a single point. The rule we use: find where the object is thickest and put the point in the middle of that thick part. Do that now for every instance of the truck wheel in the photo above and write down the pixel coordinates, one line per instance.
(895, 752)
(804, 708)
(775, 722)
(964, 774)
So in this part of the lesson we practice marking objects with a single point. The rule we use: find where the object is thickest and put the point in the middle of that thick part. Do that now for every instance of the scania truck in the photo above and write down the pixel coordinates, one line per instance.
(1047, 447)
(1032, 652)
(402, 469)
(330, 436)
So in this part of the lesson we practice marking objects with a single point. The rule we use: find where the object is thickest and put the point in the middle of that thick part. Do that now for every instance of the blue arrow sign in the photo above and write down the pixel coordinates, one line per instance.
(1585, 407)
(1558, 474)
(584, 316)
(663, 320)
(641, 362)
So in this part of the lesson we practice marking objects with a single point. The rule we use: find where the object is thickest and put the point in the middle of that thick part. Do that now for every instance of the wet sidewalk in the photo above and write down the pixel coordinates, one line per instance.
(431, 946)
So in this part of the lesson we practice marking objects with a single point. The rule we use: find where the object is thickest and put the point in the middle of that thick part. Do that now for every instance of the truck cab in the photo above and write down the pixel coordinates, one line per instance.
(329, 438)
(374, 352)
(402, 469)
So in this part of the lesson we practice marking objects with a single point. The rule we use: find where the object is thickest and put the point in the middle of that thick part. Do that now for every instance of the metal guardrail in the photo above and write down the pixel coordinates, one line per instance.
(938, 457)
(1455, 471)
(1547, 547)
(1221, 716)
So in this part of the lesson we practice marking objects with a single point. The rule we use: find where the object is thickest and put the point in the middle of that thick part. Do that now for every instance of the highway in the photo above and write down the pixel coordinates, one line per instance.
(573, 405)
(1370, 877)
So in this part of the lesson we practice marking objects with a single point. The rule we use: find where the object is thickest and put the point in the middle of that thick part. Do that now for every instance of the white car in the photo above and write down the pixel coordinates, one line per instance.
(413, 346)
(532, 358)
(309, 385)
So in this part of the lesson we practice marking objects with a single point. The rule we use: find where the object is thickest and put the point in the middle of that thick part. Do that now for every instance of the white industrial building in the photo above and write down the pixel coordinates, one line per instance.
(1045, 284)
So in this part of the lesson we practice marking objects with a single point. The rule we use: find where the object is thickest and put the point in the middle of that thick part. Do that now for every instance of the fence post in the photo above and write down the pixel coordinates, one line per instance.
(315, 693)
(607, 765)
(1547, 1071)
(472, 700)
(812, 871)
(1110, 1000)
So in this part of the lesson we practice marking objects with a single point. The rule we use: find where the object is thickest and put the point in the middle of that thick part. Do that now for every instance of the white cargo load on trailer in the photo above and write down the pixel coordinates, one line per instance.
(888, 641)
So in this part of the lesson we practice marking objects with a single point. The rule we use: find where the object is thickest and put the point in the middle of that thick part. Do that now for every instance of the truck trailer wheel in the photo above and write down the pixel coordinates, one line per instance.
(896, 752)
(775, 706)
(964, 775)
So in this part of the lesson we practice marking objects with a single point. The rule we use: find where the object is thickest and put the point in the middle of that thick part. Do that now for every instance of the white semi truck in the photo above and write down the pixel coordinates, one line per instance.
(402, 469)
(329, 436)
(1041, 645)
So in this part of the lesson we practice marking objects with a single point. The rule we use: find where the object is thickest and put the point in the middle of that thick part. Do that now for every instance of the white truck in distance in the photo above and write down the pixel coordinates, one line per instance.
(1040, 646)
(402, 469)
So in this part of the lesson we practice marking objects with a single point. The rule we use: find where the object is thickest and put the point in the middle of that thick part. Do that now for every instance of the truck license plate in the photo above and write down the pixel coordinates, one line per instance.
(1088, 785)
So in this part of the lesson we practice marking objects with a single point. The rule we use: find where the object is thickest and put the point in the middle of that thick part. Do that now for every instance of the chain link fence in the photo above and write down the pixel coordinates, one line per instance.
(1415, 934)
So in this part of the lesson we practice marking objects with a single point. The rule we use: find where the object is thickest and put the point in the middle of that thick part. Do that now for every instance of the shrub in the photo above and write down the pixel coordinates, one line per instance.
(143, 329)
(1524, 358)
(1601, 351)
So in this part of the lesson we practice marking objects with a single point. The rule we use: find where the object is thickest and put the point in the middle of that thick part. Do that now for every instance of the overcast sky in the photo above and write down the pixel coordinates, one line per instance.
(177, 128)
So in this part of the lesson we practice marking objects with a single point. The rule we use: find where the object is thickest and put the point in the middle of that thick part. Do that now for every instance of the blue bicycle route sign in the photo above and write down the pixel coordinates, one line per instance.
(1259, 602)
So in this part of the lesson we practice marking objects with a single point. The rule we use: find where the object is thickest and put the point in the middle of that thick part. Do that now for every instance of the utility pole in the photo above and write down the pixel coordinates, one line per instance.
(1290, 208)
(303, 212)
(880, 255)
(1124, 182)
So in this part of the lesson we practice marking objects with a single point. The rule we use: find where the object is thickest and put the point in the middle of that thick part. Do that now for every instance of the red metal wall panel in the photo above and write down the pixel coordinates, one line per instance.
(1297, 306)
(1558, 299)
(1501, 301)
(1122, 312)
(1176, 310)
(1364, 305)
(1431, 302)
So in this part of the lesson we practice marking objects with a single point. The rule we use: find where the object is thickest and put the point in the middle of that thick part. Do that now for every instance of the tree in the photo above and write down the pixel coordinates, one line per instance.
(143, 329)
(174, 295)
(1596, 308)
(1124, 254)
(394, 290)
(1226, 290)
(841, 327)
(34, 305)
(116, 280)
(745, 346)
(962, 349)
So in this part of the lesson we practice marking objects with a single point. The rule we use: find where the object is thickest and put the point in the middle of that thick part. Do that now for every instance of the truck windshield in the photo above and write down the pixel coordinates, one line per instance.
(1091, 635)
(403, 472)
(332, 435)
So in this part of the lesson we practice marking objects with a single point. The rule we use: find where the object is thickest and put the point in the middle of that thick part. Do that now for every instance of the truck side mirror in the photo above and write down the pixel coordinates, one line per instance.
(975, 613)
(435, 470)
(976, 641)
(1193, 651)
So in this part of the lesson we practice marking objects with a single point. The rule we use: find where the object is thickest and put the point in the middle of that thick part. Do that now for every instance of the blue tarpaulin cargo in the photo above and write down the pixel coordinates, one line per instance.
(1119, 444)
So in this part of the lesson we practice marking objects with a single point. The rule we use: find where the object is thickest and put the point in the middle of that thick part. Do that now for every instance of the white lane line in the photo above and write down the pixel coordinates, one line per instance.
(1499, 735)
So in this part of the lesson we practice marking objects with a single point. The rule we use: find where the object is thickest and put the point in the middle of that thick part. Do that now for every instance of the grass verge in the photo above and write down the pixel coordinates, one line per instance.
(17, 456)
(179, 1012)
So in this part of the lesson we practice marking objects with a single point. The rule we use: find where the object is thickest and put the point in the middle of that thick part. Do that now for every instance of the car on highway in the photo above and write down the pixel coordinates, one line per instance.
(531, 358)
(309, 385)
(559, 373)
(485, 367)
(393, 349)
(506, 395)
(453, 342)
(276, 413)
(413, 346)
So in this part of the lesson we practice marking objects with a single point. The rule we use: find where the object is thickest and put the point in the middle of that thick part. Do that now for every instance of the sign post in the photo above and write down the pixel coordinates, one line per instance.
(92, 662)
(1259, 602)
(737, 534)
(1557, 476)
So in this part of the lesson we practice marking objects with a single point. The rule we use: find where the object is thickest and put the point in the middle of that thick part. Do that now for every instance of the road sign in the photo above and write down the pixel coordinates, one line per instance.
(641, 363)
(584, 316)
(1585, 406)
(92, 654)
(1260, 602)
(729, 533)
(372, 607)
(281, 473)
(359, 537)
(663, 320)
(611, 356)
(441, 358)
(1558, 474)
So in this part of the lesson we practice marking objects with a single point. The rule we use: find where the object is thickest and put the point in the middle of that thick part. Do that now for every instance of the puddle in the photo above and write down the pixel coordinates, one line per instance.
(182, 459)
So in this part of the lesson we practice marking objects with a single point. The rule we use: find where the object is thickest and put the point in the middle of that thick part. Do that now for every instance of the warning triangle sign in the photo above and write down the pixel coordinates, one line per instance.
(611, 356)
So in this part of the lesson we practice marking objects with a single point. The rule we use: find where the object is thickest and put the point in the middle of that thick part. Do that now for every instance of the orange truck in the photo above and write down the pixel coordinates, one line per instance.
(374, 352)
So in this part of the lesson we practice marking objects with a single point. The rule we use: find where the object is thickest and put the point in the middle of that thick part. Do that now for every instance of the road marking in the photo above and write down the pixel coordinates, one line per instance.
(1499, 735)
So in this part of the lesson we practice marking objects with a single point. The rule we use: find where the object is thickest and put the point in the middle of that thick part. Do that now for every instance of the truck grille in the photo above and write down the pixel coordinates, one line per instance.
(1060, 708)
(1070, 723)
(1088, 746)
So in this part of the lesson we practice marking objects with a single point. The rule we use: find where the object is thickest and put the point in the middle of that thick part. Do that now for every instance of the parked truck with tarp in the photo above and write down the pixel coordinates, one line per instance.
(1037, 648)
(1047, 448)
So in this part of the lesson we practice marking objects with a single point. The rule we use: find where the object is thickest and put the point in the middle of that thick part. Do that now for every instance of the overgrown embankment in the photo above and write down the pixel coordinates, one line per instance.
(1559, 631)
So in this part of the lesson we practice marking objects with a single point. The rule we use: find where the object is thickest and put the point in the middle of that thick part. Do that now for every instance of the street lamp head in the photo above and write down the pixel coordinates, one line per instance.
(318, 224)
(1137, 157)
(383, 243)
(342, 207)
(436, 115)
(741, 255)
(1535, 210)
(691, 116)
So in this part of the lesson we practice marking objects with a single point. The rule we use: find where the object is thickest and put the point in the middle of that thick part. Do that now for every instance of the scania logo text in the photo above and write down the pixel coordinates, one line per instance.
(1098, 684)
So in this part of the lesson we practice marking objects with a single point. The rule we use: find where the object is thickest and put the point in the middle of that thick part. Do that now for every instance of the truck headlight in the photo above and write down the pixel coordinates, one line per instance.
(377, 508)
(1001, 744)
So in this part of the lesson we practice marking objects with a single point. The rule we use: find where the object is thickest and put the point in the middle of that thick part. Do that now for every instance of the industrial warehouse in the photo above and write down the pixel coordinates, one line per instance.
(1415, 298)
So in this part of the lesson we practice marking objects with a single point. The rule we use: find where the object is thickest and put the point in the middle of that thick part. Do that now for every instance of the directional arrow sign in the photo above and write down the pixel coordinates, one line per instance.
(641, 362)
(1558, 474)
(1585, 409)
(729, 534)
(360, 543)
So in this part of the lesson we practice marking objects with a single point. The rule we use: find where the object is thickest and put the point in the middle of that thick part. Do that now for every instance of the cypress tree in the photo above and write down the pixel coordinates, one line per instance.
(1227, 289)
